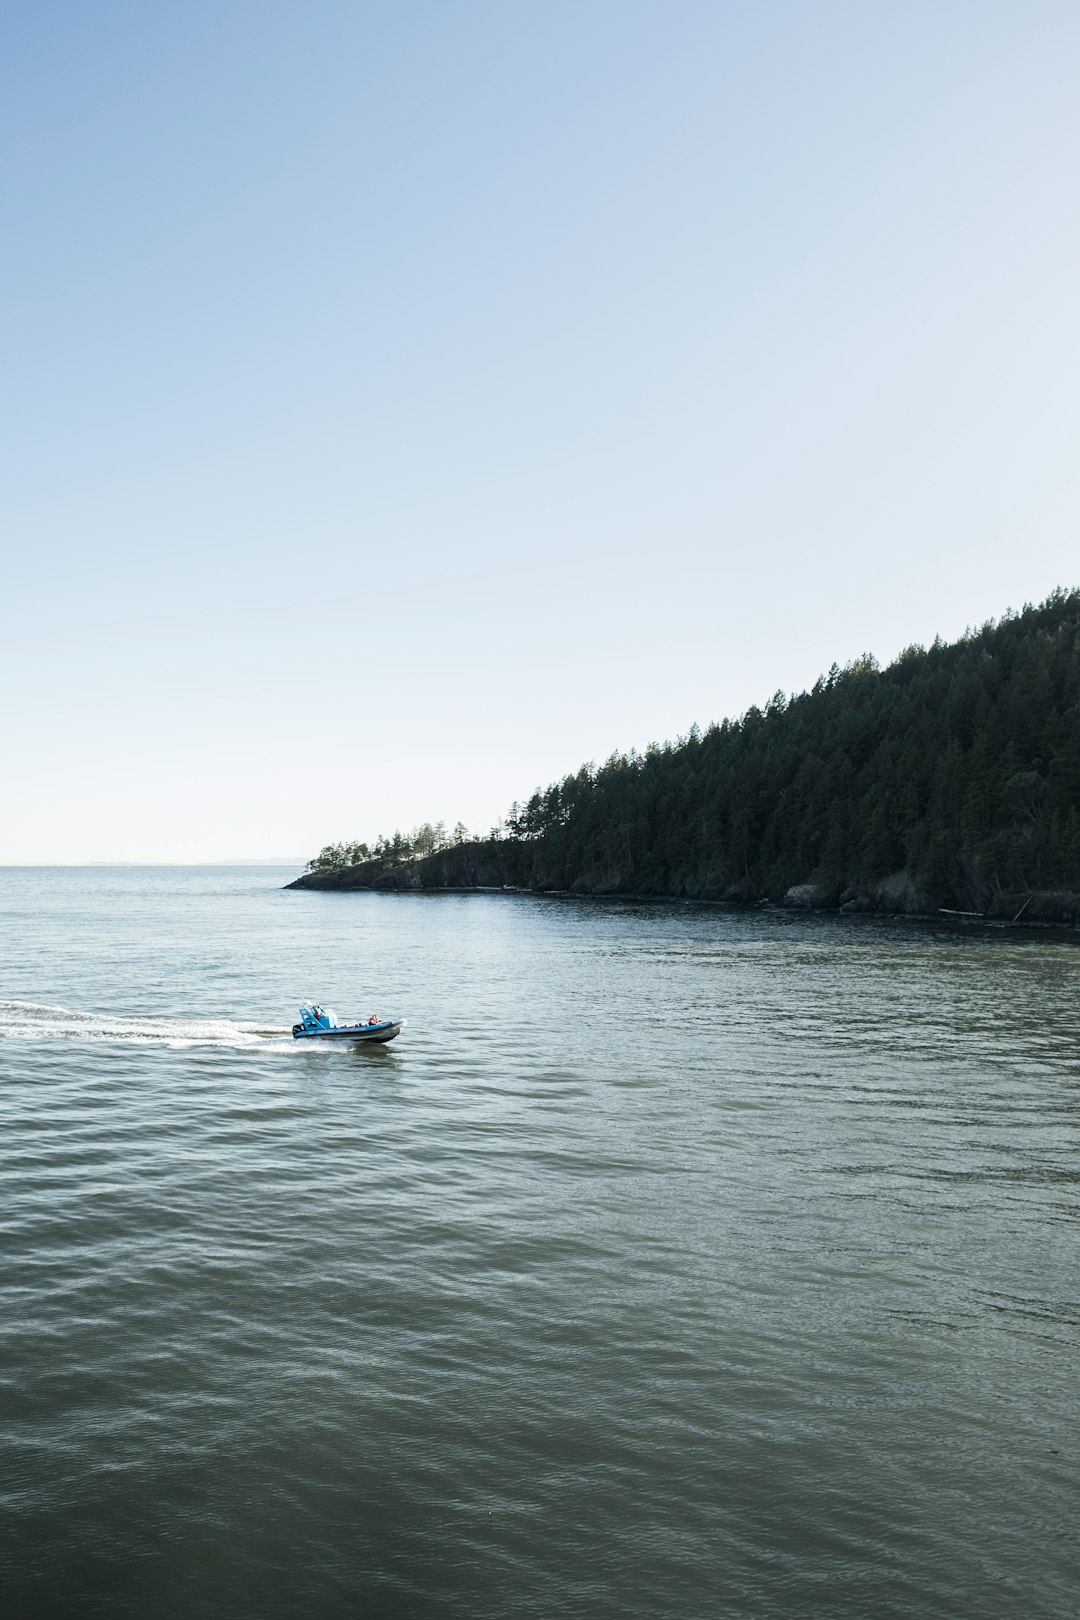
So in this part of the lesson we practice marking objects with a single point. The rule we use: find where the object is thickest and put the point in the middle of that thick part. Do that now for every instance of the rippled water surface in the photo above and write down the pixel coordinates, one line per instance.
(675, 1261)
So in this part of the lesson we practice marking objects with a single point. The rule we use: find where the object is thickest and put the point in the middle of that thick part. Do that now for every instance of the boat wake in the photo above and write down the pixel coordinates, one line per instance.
(27, 1021)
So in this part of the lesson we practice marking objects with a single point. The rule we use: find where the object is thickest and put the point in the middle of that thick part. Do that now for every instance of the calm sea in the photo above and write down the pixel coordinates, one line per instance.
(675, 1261)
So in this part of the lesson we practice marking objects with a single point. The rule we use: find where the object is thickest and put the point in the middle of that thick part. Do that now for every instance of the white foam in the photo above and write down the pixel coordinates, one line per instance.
(29, 1021)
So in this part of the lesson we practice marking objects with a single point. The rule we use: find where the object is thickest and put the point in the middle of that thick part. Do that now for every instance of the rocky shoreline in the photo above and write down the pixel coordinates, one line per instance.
(494, 869)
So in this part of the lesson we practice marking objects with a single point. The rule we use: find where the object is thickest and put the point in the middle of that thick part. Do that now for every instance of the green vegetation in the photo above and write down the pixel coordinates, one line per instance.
(427, 839)
(950, 778)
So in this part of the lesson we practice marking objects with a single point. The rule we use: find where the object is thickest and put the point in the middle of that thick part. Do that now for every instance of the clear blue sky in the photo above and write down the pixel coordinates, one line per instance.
(403, 404)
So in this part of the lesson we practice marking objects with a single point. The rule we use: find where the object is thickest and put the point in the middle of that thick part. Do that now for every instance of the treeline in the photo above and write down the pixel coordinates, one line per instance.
(952, 778)
(427, 839)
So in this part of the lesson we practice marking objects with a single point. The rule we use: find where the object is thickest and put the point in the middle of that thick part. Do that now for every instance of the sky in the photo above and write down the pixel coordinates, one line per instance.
(402, 405)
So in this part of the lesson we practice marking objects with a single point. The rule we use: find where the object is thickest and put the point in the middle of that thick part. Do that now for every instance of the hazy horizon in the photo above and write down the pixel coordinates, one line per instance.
(405, 407)
(243, 860)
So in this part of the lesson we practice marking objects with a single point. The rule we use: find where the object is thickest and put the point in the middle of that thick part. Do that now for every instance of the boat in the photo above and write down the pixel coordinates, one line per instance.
(319, 1024)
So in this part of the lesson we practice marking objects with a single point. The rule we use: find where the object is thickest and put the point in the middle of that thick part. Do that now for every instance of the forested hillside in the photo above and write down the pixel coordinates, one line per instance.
(950, 778)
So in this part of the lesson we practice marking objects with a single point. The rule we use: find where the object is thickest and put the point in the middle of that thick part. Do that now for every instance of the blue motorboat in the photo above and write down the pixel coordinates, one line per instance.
(319, 1024)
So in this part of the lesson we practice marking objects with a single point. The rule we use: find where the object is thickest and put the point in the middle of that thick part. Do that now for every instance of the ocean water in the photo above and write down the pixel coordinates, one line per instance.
(674, 1261)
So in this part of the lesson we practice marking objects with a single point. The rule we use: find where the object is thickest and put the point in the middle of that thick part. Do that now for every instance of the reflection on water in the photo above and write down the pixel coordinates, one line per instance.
(673, 1261)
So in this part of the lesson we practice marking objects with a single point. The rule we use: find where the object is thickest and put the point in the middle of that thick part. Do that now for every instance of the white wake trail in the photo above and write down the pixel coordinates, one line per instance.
(29, 1021)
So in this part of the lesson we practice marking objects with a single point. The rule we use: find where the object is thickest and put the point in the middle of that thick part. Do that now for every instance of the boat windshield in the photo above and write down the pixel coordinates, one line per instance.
(312, 1016)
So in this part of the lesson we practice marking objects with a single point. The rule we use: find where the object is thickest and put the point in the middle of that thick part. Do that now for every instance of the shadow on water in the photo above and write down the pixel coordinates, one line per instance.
(363, 1057)
(383, 1056)
(853, 928)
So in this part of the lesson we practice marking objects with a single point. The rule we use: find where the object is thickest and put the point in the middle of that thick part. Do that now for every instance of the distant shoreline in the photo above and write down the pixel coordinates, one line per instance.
(279, 861)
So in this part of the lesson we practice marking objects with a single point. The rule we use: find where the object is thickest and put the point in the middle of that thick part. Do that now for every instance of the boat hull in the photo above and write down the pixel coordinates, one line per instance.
(369, 1034)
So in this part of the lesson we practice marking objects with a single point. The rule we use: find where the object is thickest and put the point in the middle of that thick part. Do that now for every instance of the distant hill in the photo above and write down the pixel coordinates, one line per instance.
(949, 779)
